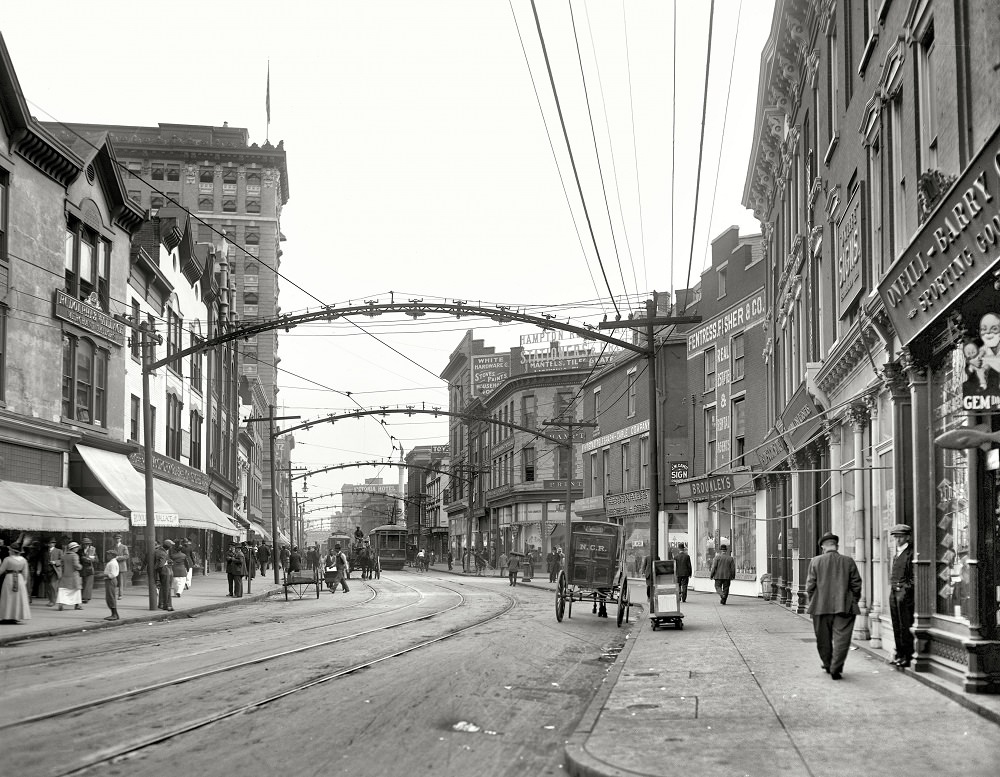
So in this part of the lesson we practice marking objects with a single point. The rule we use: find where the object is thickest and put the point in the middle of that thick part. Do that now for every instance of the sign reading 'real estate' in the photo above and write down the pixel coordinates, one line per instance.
(957, 246)
(488, 372)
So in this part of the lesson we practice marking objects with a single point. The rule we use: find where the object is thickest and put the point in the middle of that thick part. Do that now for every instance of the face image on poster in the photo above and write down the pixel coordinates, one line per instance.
(980, 358)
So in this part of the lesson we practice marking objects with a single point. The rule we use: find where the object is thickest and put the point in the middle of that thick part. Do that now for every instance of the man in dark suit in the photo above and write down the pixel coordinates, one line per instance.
(682, 570)
(833, 586)
(901, 595)
(722, 572)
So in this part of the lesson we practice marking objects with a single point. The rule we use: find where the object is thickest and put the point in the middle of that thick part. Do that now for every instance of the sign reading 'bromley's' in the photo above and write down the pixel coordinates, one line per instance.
(956, 247)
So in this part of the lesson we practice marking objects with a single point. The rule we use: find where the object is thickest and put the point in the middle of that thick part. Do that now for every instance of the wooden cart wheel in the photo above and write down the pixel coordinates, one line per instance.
(560, 596)
(623, 603)
(286, 592)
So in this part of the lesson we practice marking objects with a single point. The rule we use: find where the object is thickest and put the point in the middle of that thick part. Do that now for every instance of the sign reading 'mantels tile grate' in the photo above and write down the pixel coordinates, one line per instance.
(955, 248)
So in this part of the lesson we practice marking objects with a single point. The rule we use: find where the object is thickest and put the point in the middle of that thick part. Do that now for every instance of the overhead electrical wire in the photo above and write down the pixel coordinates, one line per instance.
(725, 118)
(701, 141)
(552, 148)
(635, 156)
(572, 159)
(593, 135)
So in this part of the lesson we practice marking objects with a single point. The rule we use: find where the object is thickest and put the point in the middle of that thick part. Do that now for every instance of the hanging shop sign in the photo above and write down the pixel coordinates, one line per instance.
(959, 243)
(800, 419)
(774, 447)
(488, 372)
(715, 487)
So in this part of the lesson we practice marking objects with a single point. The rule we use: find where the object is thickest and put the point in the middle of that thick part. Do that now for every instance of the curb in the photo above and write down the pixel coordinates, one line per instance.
(150, 616)
(579, 762)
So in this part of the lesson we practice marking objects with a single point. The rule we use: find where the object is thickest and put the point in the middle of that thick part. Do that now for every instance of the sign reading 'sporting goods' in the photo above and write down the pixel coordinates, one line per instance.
(488, 372)
(959, 243)
(850, 251)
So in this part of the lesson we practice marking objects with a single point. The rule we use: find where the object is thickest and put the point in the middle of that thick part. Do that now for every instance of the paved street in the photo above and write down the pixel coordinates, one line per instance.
(738, 691)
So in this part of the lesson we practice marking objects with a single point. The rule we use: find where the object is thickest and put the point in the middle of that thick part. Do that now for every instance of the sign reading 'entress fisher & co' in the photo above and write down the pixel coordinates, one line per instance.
(955, 248)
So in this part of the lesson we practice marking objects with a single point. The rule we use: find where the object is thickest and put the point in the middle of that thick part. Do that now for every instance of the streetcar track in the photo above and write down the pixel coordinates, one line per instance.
(125, 751)
(230, 667)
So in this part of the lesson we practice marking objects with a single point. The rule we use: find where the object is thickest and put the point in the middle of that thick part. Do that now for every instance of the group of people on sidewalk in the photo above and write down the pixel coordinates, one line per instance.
(63, 575)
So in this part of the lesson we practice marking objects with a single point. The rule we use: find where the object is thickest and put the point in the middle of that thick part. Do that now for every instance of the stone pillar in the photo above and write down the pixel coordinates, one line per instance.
(859, 415)
(924, 509)
(773, 513)
(801, 554)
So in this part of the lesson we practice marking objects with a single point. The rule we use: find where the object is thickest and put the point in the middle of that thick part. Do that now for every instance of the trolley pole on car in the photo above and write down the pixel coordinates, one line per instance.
(569, 426)
(649, 324)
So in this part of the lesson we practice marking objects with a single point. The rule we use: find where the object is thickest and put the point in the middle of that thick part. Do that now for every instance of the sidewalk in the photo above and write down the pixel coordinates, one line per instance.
(207, 592)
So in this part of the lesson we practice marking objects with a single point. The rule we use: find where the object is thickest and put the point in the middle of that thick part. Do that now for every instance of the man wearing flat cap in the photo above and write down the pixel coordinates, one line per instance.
(833, 586)
(901, 594)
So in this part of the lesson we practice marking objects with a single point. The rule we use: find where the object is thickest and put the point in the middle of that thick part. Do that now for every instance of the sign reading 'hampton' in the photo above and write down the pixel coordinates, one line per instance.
(955, 248)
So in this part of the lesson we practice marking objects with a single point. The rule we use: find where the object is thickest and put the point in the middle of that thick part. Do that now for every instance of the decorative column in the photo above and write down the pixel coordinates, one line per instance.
(800, 554)
(773, 513)
(786, 542)
(859, 417)
(924, 508)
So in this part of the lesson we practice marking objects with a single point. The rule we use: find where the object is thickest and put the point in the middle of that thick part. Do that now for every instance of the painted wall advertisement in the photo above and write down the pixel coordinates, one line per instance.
(850, 250)
(488, 372)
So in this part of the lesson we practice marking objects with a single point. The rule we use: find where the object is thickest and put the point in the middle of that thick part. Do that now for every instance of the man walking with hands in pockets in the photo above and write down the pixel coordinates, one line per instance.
(833, 586)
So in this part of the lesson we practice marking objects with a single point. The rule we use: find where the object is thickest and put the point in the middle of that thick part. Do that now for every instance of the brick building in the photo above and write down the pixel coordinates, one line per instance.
(726, 384)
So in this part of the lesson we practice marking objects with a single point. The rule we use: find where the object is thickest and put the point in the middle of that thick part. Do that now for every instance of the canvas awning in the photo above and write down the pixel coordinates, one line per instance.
(260, 530)
(53, 509)
(120, 479)
(195, 510)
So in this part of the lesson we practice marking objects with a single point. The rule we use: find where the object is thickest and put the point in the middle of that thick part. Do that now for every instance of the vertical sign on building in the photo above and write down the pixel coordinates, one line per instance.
(488, 372)
(718, 333)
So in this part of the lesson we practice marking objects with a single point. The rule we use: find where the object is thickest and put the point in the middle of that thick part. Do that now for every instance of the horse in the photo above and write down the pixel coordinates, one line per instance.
(364, 557)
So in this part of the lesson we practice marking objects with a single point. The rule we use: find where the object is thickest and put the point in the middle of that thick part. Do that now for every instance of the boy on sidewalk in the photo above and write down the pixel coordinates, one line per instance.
(111, 572)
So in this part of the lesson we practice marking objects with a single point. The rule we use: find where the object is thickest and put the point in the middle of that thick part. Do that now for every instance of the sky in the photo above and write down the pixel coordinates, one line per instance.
(426, 157)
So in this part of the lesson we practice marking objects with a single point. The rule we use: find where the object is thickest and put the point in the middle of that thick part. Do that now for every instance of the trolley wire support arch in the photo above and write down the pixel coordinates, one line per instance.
(647, 325)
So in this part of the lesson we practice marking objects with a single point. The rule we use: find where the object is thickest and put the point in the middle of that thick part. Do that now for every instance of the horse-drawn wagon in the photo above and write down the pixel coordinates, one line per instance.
(594, 571)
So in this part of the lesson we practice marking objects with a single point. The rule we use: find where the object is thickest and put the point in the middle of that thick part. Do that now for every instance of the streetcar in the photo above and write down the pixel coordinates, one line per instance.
(389, 544)
(594, 571)
(343, 540)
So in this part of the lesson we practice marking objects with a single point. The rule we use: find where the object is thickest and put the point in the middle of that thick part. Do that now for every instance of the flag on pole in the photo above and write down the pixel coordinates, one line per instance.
(267, 101)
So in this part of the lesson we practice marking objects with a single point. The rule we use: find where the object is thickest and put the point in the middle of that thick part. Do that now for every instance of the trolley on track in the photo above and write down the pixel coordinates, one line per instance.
(595, 571)
(299, 582)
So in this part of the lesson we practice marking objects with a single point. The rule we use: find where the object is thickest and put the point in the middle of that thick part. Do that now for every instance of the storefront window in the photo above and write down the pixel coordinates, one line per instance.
(951, 477)
(745, 534)
(708, 529)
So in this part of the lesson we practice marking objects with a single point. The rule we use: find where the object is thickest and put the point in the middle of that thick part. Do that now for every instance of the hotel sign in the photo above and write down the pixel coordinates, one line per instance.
(90, 317)
(955, 248)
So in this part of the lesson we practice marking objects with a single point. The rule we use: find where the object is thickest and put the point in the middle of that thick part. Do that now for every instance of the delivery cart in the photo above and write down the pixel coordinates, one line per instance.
(665, 599)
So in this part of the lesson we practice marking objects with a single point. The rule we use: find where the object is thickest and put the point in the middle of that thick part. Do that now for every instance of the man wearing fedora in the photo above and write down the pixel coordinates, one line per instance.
(833, 586)
(901, 596)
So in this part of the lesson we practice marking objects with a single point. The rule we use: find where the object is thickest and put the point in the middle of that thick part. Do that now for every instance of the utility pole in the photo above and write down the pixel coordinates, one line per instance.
(649, 323)
(569, 426)
(150, 339)
(272, 434)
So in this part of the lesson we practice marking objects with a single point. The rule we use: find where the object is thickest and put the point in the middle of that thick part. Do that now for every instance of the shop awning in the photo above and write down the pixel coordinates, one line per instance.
(120, 479)
(195, 510)
(260, 530)
(51, 509)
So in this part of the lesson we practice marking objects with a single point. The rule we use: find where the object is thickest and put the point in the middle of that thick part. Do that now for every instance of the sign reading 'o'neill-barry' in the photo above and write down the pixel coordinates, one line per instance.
(957, 246)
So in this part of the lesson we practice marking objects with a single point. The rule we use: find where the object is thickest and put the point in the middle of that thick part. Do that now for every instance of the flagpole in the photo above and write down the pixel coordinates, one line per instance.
(267, 104)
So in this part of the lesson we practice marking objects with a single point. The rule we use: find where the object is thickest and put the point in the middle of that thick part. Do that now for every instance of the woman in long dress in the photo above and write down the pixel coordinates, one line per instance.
(14, 592)
(69, 581)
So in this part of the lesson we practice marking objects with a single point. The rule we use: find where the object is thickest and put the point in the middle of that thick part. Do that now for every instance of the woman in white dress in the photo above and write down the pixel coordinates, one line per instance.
(14, 591)
(69, 581)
